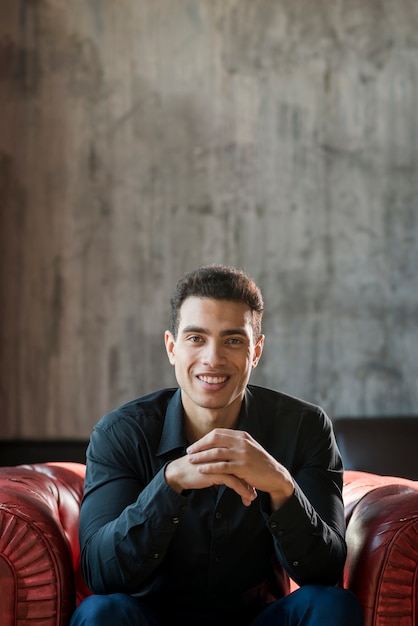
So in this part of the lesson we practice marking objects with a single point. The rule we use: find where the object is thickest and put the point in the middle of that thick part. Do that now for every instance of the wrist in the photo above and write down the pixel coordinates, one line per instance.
(172, 477)
(279, 497)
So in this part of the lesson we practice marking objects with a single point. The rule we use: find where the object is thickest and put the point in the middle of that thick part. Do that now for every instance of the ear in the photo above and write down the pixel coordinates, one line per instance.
(258, 349)
(169, 346)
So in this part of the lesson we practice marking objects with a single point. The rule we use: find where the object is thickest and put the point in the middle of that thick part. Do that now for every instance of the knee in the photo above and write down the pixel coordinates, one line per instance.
(100, 609)
(337, 602)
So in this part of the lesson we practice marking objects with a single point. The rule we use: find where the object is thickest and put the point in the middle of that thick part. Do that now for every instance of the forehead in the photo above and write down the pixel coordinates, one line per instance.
(215, 314)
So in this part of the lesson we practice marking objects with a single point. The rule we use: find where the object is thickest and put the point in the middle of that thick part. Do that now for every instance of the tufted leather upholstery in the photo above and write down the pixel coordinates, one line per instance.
(382, 539)
(41, 582)
(40, 578)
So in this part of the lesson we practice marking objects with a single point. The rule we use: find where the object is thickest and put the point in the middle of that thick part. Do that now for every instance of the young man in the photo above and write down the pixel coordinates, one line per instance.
(199, 501)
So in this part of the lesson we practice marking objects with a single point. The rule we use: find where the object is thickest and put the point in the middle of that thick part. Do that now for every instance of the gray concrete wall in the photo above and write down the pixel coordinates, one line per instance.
(141, 139)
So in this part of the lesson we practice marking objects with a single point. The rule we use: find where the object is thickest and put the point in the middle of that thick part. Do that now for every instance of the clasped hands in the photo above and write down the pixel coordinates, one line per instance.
(232, 458)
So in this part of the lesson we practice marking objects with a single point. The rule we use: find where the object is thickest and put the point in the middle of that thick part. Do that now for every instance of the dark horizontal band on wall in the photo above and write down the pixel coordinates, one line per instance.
(25, 451)
(384, 445)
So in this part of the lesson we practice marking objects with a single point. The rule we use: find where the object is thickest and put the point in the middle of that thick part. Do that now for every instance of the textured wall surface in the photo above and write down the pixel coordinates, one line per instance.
(141, 139)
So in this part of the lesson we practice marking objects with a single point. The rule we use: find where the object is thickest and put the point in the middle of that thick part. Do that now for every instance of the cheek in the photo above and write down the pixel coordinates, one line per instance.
(245, 364)
(181, 358)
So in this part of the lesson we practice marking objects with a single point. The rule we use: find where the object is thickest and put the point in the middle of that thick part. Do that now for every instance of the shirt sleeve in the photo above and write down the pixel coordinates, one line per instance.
(124, 536)
(309, 529)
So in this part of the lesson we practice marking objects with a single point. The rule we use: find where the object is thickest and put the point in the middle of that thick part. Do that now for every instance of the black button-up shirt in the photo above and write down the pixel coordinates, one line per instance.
(203, 549)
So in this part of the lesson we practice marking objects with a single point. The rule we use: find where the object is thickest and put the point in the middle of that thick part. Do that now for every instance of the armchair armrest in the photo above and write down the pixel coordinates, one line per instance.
(382, 540)
(39, 550)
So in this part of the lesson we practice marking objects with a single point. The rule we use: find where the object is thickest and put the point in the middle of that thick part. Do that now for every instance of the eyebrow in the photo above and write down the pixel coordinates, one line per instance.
(205, 331)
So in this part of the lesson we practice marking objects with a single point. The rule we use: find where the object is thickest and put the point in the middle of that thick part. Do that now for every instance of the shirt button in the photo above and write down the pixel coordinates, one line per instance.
(295, 563)
(273, 525)
(175, 520)
(218, 515)
(156, 555)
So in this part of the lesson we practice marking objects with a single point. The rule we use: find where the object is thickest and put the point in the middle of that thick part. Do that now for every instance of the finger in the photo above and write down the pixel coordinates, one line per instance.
(219, 437)
(247, 493)
(215, 467)
(246, 501)
(212, 455)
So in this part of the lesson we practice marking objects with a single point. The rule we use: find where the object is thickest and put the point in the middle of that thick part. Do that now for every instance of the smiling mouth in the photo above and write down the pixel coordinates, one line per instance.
(213, 380)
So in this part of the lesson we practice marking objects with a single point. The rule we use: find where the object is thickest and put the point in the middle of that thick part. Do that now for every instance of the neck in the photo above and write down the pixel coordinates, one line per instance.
(199, 421)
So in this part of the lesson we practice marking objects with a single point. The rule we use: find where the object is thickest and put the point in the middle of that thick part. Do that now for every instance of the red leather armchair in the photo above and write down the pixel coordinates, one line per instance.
(41, 582)
(40, 577)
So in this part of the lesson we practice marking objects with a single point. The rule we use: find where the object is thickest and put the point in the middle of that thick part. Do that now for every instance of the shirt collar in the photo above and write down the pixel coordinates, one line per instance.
(172, 436)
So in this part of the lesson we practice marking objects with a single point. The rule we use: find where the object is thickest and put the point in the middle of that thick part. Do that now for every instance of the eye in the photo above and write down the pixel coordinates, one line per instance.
(235, 341)
(195, 339)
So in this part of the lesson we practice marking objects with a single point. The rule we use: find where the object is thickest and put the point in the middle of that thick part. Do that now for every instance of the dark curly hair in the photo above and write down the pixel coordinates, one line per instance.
(220, 282)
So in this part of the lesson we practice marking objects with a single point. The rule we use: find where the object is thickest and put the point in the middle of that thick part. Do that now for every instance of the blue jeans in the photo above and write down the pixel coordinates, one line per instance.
(311, 605)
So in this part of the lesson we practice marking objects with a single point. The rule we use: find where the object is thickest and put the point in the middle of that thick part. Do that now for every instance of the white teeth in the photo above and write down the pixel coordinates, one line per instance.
(213, 380)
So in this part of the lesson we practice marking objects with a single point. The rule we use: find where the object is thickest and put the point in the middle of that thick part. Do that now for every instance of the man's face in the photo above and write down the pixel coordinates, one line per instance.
(214, 353)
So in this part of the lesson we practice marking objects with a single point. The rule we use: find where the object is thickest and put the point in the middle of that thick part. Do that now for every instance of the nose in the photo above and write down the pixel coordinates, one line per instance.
(213, 354)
